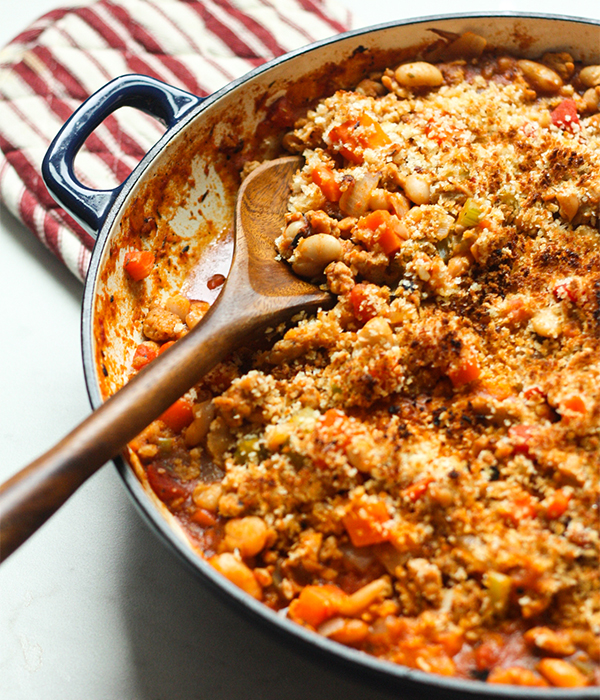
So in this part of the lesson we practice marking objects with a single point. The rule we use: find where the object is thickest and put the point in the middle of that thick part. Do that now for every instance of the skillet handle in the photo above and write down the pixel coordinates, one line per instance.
(88, 206)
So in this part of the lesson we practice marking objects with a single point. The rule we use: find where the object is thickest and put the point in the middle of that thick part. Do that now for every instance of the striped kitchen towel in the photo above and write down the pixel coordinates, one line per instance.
(55, 64)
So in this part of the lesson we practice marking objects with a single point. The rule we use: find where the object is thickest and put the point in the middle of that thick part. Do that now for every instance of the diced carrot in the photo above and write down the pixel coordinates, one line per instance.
(574, 403)
(558, 504)
(373, 136)
(374, 219)
(331, 417)
(392, 237)
(354, 135)
(179, 415)
(204, 518)
(315, 604)
(418, 489)
(565, 116)
(324, 177)
(365, 523)
(165, 346)
(390, 231)
(138, 264)
(144, 354)
(466, 370)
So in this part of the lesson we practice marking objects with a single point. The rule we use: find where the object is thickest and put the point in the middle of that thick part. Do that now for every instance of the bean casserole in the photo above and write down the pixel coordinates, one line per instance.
(415, 472)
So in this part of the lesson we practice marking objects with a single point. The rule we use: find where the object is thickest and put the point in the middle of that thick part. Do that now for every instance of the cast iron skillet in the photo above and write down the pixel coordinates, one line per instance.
(99, 212)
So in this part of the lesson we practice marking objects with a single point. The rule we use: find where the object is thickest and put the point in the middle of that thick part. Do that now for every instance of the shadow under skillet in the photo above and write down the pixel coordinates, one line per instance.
(187, 644)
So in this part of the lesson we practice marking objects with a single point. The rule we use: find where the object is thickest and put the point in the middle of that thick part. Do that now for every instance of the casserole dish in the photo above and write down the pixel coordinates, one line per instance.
(180, 202)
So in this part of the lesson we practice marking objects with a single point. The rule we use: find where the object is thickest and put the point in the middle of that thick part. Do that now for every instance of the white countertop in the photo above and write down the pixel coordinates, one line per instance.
(94, 606)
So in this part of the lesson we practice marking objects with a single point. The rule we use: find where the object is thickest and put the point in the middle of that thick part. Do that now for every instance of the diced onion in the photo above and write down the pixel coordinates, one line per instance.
(355, 199)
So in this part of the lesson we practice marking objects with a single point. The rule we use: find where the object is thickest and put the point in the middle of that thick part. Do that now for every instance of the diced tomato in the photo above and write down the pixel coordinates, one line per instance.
(164, 484)
(315, 604)
(563, 291)
(489, 652)
(521, 436)
(465, 370)
(179, 415)
(324, 177)
(365, 523)
(354, 135)
(418, 489)
(534, 392)
(565, 116)
(144, 354)
(363, 308)
(558, 504)
(138, 264)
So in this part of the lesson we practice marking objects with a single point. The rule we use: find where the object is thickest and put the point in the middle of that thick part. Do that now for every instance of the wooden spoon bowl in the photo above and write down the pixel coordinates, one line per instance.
(260, 291)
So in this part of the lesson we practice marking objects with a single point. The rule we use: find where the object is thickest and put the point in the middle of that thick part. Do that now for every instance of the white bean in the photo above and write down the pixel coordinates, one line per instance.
(590, 76)
(287, 238)
(313, 254)
(419, 74)
(416, 189)
(540, 77)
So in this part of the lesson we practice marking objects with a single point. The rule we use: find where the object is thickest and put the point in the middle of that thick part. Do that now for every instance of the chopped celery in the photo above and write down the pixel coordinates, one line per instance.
(499, 587)
(248, 450)
(470, 214)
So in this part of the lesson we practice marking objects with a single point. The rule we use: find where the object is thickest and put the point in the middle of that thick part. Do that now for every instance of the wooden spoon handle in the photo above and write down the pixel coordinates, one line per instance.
(30, 497)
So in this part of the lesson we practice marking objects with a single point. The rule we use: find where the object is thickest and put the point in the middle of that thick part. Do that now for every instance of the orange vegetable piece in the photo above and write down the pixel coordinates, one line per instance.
(565, 116)
(365, 523)
(363, 308)
(521, 436)
(138, 264)
(466, 370)
(523, 506)
(179, 415)
(144, 354)
(418, 489)
(324, 177)
(575, 404)
(165, 346)
(559, 502)
(315, 604)
(204, 518)
(354, 135)
(390, 230)
(164, 484)
(331, 417)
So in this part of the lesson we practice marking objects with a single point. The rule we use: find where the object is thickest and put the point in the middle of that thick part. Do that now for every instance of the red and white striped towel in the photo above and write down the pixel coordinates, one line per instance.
(53, 66)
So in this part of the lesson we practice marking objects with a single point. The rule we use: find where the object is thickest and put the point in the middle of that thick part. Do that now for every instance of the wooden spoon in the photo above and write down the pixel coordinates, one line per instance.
(260, 291)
